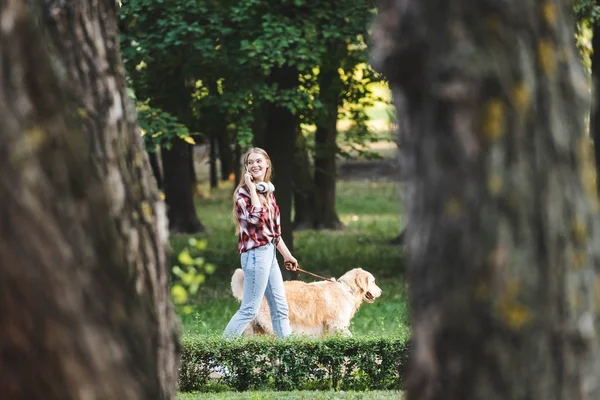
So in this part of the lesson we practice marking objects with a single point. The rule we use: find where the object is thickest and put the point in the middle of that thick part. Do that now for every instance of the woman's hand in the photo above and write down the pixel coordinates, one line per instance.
(290, 263)
(250, 181)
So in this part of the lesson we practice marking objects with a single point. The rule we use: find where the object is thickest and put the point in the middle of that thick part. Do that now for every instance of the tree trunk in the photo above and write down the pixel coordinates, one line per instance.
(214, 174)
(156, 171)
(502, 227)
(260, 116)
(192, 167)
(237, 164)
(330, 86)
(398, 240)
(179, 174)
(280, 134)
(225, 153)
(595, 111)
(84, 302)
(179, 188)
(305, 206)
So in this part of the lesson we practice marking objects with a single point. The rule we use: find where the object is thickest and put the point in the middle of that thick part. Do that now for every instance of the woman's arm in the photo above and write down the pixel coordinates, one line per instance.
(252, 189)
(247, 211)
(254, 198)
(287, 255)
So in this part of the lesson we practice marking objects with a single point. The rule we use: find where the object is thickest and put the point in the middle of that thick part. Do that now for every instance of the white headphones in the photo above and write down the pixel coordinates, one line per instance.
(265, 187)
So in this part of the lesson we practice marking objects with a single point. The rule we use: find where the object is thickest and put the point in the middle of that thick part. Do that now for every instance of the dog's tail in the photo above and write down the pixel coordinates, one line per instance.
(237, 284)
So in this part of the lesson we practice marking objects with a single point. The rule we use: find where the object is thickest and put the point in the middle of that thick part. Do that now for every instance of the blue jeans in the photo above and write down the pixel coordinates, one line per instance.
(262, 277)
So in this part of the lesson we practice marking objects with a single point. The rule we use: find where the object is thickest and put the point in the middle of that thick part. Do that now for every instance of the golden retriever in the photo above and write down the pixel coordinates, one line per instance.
(317, 308)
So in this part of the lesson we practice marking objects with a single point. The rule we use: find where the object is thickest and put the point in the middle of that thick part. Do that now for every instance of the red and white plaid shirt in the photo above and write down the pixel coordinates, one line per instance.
(258, 225)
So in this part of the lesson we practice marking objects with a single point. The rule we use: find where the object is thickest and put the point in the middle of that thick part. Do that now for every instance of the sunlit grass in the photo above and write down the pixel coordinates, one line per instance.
(299, 395)
(370, 212)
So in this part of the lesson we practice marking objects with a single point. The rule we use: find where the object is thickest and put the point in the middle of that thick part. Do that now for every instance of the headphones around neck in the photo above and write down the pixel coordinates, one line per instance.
(265, 187)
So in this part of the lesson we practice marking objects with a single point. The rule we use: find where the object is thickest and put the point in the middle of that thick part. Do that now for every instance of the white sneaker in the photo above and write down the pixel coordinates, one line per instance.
(219, 371)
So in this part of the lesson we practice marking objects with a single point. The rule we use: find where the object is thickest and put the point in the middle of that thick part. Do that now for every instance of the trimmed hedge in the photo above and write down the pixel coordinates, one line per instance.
(293, 364)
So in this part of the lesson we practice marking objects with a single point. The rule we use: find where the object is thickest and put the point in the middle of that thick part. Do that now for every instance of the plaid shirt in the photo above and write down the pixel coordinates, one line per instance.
(258, 225)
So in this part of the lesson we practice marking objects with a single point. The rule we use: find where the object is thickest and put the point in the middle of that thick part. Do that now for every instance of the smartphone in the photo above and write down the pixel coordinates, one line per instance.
(248, 171)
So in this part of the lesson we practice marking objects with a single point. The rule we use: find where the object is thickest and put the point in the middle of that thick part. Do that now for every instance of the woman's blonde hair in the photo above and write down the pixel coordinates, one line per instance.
(242, 183)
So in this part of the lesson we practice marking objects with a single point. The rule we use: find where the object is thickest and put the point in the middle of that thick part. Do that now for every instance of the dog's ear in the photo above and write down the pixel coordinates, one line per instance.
(362, 282)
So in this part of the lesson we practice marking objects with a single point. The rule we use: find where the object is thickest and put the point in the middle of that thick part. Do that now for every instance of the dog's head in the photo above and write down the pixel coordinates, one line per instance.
(363, 283)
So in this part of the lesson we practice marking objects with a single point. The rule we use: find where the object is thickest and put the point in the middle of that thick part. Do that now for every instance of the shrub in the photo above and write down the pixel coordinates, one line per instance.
(293, 364)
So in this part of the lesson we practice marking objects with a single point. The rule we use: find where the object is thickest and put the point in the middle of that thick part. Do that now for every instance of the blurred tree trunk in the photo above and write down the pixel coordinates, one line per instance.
(259, 124)
(330, 91)
(305, 206)
(156, 171)
(213, 128)
(237, 163)
(179, 176)
(279, 137)
(225, 153)
(595, 112)
(192, 167)
(179, 188)
(84, 299)
(502, 212)
(214, 174)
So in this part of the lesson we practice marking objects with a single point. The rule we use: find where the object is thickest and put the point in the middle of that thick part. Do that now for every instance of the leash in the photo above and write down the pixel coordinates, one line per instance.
(290, 267)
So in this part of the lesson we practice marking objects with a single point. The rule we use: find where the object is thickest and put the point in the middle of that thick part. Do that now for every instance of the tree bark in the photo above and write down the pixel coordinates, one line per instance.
(280, 134)
(502, 226)
(156, 171)
(237, 164)
(330, 86)
(179, 188)
(84, 299)
(305, 206)
(214, 174)
(225, 153)
(192, 168)
(179, 176)
(595, 111)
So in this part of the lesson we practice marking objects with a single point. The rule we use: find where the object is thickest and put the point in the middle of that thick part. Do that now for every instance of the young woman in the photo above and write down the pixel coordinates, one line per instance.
(257, 222)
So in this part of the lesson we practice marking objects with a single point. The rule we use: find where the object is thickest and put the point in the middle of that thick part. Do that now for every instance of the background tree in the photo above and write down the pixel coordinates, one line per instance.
(242, 58)
(84, 306)
(164, 81)
(502, 227)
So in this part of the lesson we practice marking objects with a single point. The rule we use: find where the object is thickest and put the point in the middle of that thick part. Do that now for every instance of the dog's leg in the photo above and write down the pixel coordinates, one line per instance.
(249, 331)
(345, 331)
(340, 329)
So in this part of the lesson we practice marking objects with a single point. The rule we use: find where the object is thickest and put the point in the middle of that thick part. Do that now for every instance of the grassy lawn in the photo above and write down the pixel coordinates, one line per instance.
(313, 395)
(370, 213)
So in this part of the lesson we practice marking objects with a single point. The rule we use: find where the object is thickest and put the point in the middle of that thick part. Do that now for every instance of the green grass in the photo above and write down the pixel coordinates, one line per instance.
(386, 317)
(370, 213)
(313, 395)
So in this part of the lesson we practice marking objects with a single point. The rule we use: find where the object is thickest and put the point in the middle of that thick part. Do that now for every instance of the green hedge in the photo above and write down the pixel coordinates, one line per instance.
(293, 364)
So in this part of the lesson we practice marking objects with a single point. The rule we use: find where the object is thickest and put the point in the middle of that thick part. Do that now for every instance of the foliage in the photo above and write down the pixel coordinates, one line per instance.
(224, 53)
(294, 395)
(587, 15)
(296, 363)
(189, 275)
(159, 127)
(587, 10)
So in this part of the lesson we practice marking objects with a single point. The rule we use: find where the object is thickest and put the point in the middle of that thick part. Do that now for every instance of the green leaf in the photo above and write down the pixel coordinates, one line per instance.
(179, 294)
(209, 268)
(185, 258)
